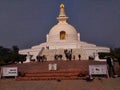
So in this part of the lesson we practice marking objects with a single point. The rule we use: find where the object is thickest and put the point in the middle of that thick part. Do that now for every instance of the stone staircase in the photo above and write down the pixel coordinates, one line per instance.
(51, 52)
(66, 70)
(54, 75)
(36, 53)
(76, 52)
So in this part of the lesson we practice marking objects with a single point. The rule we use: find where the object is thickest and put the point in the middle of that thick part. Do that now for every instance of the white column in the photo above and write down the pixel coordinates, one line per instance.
(47, 37)
(78, 36)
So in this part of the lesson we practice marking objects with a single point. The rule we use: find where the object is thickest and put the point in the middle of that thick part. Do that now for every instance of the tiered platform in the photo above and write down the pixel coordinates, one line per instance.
(53, 75)
(66, 70)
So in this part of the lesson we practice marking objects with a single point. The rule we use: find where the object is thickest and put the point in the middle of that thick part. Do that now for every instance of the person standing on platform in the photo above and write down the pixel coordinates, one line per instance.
(73, 57)
(119, 61)
(110, 63)
(79, 56)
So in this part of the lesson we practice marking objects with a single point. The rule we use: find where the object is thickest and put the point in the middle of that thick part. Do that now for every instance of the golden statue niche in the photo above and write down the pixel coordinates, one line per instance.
(62, 35)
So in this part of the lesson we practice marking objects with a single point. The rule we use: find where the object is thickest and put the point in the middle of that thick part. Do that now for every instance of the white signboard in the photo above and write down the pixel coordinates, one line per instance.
(52, 66)
(9, 71)
(98, 70)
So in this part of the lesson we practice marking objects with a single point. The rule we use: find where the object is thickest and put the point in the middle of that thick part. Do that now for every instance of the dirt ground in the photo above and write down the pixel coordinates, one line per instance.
(96, 84)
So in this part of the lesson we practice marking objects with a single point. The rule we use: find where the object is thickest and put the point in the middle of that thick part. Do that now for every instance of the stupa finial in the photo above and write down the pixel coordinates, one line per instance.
(61, 5)
(62, 16)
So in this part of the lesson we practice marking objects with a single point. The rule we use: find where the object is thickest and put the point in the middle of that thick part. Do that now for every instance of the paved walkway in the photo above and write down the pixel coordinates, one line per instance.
(96, 84)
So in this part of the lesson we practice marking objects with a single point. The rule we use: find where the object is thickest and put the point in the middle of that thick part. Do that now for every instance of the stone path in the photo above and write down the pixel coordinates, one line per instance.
(96, 84)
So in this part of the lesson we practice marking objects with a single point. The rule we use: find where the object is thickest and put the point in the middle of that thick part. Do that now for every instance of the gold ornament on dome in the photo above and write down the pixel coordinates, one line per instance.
(62, 6)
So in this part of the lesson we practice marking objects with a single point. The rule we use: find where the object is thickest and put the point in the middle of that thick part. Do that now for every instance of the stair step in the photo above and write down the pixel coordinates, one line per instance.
(49, 78)
(52, 74)
(56, 71)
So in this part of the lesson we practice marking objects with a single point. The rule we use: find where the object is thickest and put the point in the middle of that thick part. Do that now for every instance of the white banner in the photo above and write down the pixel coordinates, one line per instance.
(98, 70)
(9, 71)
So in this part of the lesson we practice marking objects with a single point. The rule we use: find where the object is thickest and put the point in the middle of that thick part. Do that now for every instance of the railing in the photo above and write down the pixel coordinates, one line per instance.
(40, 52)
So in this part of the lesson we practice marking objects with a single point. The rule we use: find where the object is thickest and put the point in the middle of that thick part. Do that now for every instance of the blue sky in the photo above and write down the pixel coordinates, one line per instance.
(26, 22)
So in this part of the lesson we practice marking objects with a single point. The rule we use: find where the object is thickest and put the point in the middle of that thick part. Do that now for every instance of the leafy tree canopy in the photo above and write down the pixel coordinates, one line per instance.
(9, 56)
(115, 53)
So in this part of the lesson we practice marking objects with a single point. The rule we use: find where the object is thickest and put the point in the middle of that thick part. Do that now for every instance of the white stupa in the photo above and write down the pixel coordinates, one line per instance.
(64, 36)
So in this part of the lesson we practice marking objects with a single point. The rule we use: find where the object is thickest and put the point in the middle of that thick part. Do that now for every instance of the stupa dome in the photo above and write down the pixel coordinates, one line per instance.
(69, 29)
(62, 31)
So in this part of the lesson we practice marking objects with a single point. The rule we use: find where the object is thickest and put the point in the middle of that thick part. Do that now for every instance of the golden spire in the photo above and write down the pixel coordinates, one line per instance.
(62, 6)
(62, 16)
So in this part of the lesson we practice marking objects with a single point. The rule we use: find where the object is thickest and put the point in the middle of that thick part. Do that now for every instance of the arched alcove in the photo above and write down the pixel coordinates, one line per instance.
(62, 35)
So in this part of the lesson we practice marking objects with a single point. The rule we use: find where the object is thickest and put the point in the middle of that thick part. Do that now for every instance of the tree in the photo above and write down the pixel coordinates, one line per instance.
(9, 56)
(115, 53)
(15, 49)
